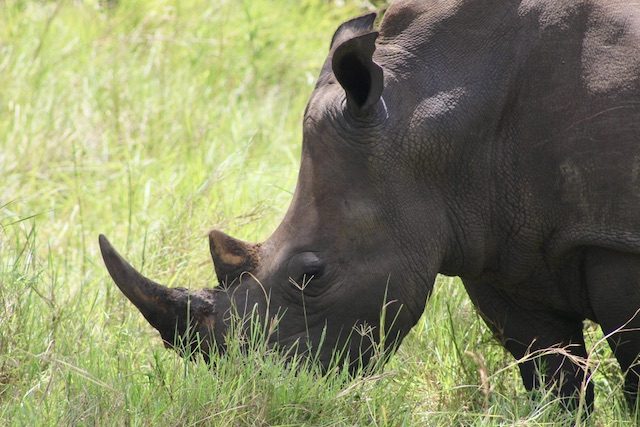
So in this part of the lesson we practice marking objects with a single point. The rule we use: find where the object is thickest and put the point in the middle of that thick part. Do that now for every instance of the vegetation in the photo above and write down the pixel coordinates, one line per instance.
(153, 122)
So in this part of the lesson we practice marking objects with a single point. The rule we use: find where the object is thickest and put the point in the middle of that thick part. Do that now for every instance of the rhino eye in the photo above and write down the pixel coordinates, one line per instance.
(305, 266)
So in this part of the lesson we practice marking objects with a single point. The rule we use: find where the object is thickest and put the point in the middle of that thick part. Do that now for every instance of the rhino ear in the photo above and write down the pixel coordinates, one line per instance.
(360, 25)
(360, 77)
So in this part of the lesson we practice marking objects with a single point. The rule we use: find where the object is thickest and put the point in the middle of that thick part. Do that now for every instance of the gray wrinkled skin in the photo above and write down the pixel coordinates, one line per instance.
(496, 141)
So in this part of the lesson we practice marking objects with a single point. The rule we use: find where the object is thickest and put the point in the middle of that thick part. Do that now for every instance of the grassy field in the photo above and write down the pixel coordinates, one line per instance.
(153, 122)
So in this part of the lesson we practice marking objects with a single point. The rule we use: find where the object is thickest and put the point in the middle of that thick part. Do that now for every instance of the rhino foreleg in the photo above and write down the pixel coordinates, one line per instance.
(545, 344)
(613, 281)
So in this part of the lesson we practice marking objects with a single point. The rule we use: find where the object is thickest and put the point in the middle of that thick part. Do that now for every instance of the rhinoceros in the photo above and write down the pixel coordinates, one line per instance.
(497, 141)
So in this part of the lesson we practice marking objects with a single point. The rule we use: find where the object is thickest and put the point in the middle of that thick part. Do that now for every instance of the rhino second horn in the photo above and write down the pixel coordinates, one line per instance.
(152, 299)
(231, 256)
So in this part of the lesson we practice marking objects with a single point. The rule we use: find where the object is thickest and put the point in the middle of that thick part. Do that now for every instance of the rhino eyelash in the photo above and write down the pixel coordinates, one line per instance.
(315, 272)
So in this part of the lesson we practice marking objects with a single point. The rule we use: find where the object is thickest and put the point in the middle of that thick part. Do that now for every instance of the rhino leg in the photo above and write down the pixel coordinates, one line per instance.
(613, 280)
(540, 339)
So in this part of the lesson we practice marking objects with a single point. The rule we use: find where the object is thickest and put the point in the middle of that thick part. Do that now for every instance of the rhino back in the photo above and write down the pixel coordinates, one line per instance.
(576, 123)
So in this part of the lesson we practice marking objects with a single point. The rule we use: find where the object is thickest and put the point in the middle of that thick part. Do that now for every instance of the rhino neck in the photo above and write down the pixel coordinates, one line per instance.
(452, 76)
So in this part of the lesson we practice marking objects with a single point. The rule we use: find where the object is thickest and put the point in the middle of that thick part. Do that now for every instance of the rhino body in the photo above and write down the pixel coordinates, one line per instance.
(498, 141)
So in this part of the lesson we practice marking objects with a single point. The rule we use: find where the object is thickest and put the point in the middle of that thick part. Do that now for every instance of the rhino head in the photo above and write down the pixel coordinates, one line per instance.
(351, 245)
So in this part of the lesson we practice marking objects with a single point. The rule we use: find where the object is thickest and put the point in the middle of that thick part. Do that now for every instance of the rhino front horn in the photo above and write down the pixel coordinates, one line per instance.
(156, 302)
(231, 257)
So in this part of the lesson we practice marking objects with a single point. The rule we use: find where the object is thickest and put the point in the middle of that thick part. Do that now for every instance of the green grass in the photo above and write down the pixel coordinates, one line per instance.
(153, 122)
